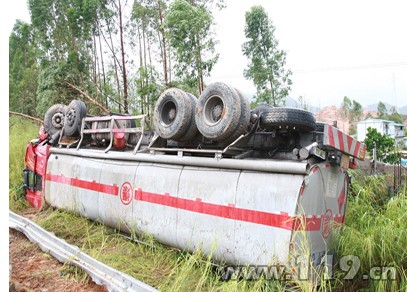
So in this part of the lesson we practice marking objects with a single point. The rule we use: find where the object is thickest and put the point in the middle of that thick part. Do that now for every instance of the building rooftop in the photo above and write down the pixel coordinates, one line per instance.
(380, 121)
(396, 124)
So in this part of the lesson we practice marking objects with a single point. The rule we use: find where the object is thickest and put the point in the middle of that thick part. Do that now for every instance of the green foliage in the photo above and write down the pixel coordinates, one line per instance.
(51, 87)
(395, 117)
(375, 231)
(266, 61)
(21, 132)
(23, 69)
(351, 110)
(391, 115)
(147, 89)
(64, 26)
(382, 110)
(346, 107)
(65, 43)
(356, 111)
(189, 30)
(77, 41)
(384, 144)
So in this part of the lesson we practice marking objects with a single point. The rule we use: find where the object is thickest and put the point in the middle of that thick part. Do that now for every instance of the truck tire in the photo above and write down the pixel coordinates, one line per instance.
(244, 122)
(75, 112)
(288, 117)
(172, 114)
(192, 129)
(54, 119)
(261, 108)
(218, 111)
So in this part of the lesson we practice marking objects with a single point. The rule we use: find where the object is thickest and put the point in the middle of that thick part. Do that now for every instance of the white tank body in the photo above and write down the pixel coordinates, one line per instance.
(240, 216)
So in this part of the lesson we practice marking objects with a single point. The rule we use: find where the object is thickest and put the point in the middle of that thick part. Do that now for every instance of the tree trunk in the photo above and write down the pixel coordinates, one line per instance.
(141, 66)
(149, 78)
(169, 67)
(103, 68)
(125, 95)
(199, 67)
(164, 49)
(96, 64)
(115, 68)
(146, 102)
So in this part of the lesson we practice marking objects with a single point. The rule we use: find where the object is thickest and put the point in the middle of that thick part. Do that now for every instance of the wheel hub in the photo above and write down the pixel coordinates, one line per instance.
(217, 112)
(70, 117)
(172, 114)
(57, 120)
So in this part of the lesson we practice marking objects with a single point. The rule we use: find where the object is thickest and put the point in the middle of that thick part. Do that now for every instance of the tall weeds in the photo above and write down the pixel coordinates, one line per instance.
(375, 231)
(21, 132)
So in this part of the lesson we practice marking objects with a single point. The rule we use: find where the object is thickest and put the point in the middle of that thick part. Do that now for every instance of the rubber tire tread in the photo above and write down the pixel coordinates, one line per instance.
(74, 129)
(48, 127)
(244, 122)
(229, 122)
(261, 108)
(192, 129)
(179, 126)
(291, 117)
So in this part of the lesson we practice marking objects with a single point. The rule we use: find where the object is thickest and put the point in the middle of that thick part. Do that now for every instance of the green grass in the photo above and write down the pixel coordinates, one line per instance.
(21, 132)
(165, 268)
(143, 261)
(375, 231)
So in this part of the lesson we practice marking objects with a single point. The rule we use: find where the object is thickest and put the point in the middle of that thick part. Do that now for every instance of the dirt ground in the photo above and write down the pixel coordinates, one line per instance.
(34, 270)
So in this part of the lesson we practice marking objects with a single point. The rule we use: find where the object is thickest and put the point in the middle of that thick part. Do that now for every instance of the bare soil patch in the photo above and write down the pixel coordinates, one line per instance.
(35, 270)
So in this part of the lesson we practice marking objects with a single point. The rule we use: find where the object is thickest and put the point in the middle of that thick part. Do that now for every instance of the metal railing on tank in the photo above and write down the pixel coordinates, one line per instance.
(115, 127)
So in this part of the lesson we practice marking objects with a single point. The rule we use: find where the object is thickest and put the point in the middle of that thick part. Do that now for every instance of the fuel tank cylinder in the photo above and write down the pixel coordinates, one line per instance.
(237, 215)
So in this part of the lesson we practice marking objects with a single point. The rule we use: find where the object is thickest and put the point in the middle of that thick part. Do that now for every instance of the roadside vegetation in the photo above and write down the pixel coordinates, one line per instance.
(375, 232)
(21, 132)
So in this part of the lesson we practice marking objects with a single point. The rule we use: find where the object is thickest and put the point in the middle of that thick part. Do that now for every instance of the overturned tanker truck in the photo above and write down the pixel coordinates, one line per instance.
(259, 186)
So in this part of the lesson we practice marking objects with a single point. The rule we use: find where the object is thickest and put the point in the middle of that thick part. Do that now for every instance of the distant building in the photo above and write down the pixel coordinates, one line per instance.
(388, 128)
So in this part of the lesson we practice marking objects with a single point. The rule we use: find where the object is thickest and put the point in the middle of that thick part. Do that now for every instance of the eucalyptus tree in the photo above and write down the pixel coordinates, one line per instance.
(23, 69)
(189, 30)
(382, 110)
(266, 61)
(64, 30)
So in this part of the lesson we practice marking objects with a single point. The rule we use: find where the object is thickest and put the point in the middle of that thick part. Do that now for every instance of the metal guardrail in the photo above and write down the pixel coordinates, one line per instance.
(100, 273)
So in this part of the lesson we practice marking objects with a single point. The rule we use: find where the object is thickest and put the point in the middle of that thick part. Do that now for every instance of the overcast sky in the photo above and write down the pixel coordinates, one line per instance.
(334, 48)
(352, 48)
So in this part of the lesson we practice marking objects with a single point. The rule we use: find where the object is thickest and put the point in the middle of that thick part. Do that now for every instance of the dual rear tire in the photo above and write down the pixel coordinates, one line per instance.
(221, 113)
(68, 117)
(174, 115)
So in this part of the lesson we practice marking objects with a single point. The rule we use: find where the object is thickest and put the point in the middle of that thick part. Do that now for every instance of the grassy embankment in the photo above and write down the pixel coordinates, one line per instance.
(375, 231)
(21, 132)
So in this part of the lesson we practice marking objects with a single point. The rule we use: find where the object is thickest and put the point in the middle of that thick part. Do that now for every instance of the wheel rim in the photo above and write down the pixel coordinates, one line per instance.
(70, 117)
(57, 120)
(168, 113)
(214, 110)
